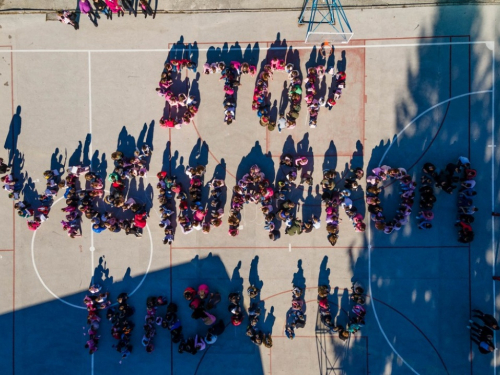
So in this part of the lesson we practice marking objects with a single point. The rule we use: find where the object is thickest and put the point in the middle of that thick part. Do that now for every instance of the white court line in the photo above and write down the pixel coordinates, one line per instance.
(361, 46)
(423, 113)
(69, 303)
(90, 108)
(372, 300)
(38, 274)
(493, 205)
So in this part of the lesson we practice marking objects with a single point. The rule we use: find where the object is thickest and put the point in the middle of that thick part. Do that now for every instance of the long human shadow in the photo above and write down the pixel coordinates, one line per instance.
(300, 282)
(267, 325)
(324, 272)
(220, 174)
(251, 55)
(278, 49)
(56, 161)
(199, 156)
(257, 156)
(236, 285)
(304, 149)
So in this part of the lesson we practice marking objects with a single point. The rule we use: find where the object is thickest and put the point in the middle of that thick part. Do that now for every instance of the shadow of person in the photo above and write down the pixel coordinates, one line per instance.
(126, 142)
(334, 307)
(311, 204)
(251, 56)
(330, 161)
(194, 89)
(236, 284)
(298, 277)
(268, 323)
(86, 150)
(100, 166)
(344, 307)
(235, 53)
(166, 159)
(199, 154)
(314, 59)
(177, 50)
(237, 280)
(256, 156)
(193, 52)
(127, 281)
(278, 49)
(76, 157)
(324, 272)
(342, 63)
(101, 275)
(56, 161)
(253, 277)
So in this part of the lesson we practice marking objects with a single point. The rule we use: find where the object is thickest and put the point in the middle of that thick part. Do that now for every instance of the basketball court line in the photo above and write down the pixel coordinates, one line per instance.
(489, 45)
(263, 48)
(492, 92)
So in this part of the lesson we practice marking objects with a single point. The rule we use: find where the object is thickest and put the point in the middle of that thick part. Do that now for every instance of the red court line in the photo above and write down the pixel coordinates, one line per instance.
(310, 337)
(7, 250)
(210, 152)
(268, 247)
(419, 37)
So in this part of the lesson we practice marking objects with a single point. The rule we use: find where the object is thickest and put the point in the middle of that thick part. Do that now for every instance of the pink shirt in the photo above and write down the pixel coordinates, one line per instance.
(85, 7)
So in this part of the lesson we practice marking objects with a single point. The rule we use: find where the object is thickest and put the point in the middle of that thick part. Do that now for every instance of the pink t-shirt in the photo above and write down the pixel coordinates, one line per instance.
(85, 7)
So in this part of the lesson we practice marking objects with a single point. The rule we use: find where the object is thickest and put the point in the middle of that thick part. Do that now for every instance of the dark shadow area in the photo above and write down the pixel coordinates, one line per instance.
(330, 161)
(251, 55)
(57, 162)
(70, 341)
(257, 156)
(452, 129)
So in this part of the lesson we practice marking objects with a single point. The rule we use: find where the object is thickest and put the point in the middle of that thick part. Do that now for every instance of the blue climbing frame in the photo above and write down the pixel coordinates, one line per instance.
(332, 14)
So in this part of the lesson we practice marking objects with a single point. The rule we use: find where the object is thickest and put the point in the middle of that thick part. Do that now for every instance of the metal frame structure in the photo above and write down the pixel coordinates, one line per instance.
(331, 13)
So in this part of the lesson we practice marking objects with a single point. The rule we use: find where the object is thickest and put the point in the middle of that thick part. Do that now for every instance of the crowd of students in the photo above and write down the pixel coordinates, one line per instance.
(106, 7)
(407, 194)
(314, 102)
(355, 317)
(459, 174)
(291, 167)
(334, 196)
(256, 335)
(261, 97)
(184, 104)
(295, 317)
(94, 302)
(201, 301)
(126, 168)
(81, 199)
(255, 188)
(231, 76)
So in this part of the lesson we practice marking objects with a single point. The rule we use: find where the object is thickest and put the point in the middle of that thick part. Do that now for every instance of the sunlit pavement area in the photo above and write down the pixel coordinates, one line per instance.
(420, 87)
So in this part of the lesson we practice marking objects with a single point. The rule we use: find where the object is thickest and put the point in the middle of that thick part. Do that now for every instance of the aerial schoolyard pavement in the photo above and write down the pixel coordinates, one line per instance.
(420, 87)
